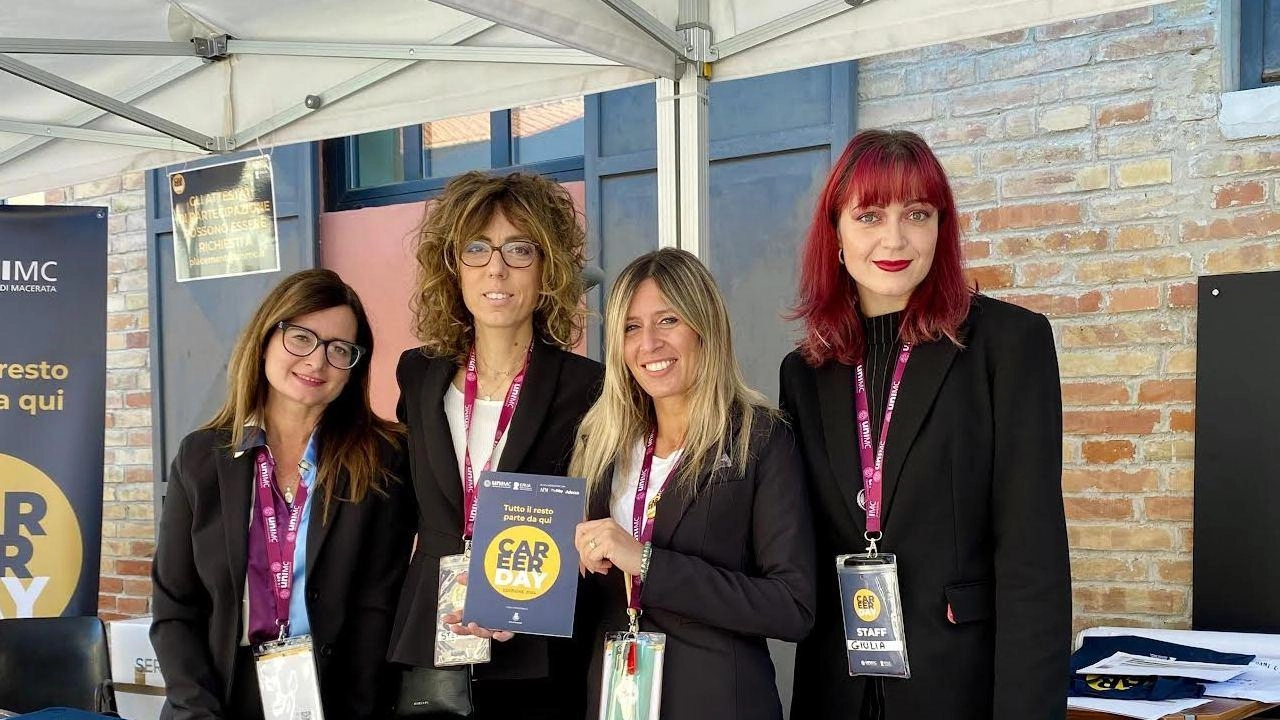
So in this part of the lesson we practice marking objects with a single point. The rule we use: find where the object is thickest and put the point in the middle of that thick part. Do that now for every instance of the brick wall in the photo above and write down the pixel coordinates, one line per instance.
(128, 532)
(1095, 187)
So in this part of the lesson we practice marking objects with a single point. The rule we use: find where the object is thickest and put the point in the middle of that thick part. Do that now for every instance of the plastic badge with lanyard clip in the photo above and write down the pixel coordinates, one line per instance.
(453, 649)
(287, 680)
(869, 597)
(631, 680)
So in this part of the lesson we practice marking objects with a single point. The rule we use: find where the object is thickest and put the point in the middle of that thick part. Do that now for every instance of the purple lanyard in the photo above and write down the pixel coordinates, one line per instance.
(873, 468)
(279, 549)
(471, 388)
(641, 523)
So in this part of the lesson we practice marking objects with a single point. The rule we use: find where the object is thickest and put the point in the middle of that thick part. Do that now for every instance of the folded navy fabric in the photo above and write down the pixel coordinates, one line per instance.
(1095, 648)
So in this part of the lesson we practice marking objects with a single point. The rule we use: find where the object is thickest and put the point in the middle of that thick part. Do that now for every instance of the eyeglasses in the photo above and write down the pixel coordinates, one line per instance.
(515, 253)
(302, 342)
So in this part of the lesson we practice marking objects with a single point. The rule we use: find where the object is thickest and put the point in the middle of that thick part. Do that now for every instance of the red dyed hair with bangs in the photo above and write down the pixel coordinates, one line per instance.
(878, 167)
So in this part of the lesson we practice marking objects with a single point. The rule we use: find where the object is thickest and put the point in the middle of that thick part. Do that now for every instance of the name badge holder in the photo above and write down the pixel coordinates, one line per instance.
(873, 630)
(287, 680)
(631, 686)
(453, 649)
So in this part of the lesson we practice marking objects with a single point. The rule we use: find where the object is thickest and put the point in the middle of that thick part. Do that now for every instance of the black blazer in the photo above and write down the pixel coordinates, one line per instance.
(559, 388)
(973, 510)
(731, 566)
(356, 559)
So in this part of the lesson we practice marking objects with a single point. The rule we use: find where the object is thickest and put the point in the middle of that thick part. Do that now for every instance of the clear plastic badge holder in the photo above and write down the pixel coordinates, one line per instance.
(631, 686)
(452, 649)
(873, 631)
(287, 679)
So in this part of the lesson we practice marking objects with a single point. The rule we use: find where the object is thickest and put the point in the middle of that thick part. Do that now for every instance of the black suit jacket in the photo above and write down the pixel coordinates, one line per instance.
(356, 559)
(973, 510)
(559, 388)
(731, 566)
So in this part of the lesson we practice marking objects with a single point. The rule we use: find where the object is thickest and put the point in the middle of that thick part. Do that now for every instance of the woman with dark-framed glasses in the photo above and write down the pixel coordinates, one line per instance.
(283, 518)
(494, 386)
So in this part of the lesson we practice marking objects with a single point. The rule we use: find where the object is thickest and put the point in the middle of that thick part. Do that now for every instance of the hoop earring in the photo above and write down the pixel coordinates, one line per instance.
(840, 254)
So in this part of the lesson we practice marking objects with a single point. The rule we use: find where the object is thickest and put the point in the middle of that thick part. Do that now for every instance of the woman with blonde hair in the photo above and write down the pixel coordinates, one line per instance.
(297, 444)
(699, 519)
(494, 386)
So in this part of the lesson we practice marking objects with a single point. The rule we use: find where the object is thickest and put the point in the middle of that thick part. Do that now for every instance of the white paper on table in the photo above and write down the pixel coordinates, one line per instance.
(1142, 709)
(1260, 644)
(1127, 665)
(1260, 681)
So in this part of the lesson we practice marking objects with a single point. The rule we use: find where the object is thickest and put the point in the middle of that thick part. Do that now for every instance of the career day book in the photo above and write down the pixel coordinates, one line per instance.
(523, 574)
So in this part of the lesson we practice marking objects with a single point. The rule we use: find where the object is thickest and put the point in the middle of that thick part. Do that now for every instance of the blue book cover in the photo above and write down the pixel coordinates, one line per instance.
(523, 574)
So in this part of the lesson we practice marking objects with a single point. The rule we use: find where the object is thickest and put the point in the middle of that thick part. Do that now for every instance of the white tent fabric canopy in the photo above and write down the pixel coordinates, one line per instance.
(379, 64)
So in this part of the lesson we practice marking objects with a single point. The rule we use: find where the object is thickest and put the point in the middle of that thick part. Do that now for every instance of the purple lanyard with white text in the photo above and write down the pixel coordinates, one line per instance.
(873, 466)
(279, 549)
(470, 389)
(641, 523)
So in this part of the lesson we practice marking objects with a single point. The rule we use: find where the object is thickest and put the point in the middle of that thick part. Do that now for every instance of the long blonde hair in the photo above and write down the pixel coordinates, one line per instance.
(543, 210)
(719, 401)
(350, 436)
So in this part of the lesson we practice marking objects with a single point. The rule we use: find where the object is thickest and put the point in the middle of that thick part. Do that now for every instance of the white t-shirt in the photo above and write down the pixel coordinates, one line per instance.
(484, 423)
(622, 501)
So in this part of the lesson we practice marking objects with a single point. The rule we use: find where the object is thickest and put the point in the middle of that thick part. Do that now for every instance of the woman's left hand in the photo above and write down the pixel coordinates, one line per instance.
(603, 544)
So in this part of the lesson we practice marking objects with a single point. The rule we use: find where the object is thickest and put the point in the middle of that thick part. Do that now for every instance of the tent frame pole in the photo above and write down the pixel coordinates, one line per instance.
(668, 164)
(56, 46)
(797, 20)
(46, 131)
(142, 89)
(104, 102)
(353, 85)
(683, 141)
(652, 26)
(469, 53)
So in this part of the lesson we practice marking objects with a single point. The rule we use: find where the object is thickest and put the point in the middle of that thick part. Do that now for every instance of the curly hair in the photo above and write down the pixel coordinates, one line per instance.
(543, 210)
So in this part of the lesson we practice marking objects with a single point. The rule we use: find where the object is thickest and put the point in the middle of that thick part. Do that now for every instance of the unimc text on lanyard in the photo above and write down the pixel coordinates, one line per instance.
(280, 546)
(641, 523)
(470, 389)
(873, 464)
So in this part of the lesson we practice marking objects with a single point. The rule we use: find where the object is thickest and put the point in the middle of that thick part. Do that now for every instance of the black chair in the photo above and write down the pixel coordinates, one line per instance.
(55, 662)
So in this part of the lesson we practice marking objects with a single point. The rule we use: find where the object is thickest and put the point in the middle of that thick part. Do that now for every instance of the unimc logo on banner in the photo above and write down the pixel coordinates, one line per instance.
(522, 563)
(40, 544)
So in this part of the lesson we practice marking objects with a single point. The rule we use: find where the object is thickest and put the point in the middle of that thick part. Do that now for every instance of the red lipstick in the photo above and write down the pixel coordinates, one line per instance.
(892, 265)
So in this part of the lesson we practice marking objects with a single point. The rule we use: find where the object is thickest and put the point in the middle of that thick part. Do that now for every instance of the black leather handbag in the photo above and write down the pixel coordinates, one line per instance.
(443, 693)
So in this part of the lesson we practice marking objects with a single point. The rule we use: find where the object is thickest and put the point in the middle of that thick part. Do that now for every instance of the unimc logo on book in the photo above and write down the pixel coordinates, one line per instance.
(522, 563)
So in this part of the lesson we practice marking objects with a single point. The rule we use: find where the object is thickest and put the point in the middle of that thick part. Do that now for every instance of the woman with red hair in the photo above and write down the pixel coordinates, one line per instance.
(959, 438)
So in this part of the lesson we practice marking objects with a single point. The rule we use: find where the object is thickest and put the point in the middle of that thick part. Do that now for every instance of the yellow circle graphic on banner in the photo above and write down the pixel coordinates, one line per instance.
(40, 545)
(522, 563)
(866, 605)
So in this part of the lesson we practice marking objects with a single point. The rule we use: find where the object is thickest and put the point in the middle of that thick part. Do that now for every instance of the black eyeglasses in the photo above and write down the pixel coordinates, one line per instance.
(302, 342)
(515, 253)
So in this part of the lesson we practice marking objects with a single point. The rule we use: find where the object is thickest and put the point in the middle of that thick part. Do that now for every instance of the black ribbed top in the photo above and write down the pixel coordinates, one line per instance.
(881, 334)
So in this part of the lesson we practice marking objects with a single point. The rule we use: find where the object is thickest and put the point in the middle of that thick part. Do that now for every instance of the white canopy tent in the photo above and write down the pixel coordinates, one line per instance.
(92, 89)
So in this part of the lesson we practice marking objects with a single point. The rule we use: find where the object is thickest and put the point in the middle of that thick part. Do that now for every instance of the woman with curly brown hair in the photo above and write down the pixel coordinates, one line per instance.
(494, 386)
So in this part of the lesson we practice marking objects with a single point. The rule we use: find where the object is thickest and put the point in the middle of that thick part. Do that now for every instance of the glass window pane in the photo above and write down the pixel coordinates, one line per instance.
(547, 131)
(455, 145)
(378, 158)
